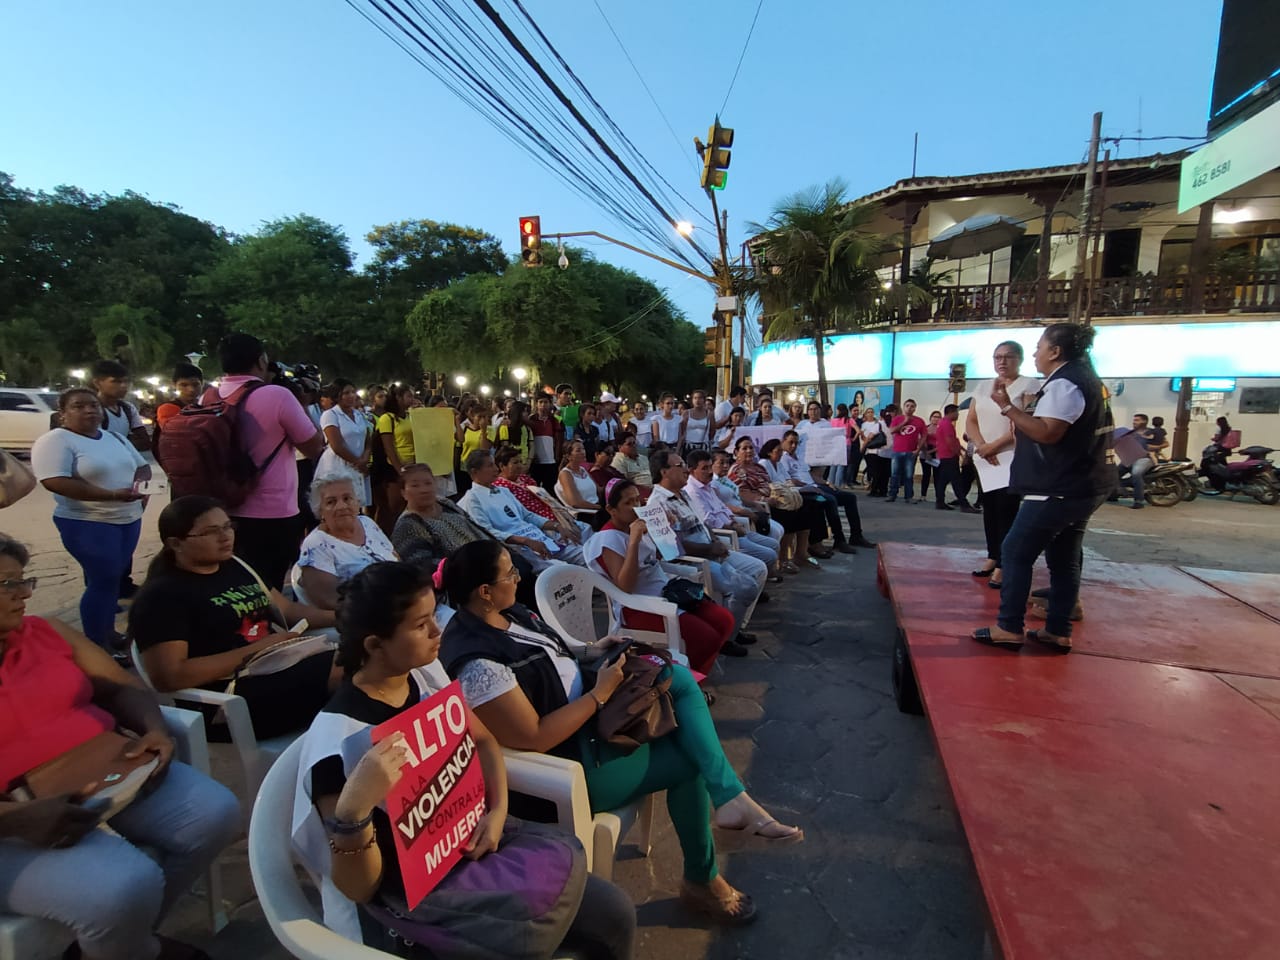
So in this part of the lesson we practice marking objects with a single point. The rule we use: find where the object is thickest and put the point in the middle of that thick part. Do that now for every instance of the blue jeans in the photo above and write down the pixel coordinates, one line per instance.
(105, 554)
(1054, 527)
(106, 889)
(904, 470)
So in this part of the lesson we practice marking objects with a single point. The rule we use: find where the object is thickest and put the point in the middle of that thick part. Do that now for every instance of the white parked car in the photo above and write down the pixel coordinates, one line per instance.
(24, 415)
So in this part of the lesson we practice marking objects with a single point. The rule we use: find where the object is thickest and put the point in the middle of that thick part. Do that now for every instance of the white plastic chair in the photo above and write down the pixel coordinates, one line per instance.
(564, 594)
(295, 922)
(33, 938)
(255, 755)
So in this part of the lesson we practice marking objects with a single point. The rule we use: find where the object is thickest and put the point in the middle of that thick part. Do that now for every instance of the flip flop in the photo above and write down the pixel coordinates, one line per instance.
(1047, 639)
(984, 635)
(983, 573)
(756, 830)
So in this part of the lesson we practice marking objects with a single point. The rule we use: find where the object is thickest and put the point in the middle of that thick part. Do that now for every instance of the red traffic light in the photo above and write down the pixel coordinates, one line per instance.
(531, 241)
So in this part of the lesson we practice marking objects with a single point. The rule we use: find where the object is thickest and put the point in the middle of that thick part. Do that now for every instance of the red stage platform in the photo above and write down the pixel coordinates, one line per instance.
(1122, 801)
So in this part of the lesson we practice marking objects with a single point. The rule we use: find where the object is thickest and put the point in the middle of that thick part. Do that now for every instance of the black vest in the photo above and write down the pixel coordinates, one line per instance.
(468, 638)
(1075, 466)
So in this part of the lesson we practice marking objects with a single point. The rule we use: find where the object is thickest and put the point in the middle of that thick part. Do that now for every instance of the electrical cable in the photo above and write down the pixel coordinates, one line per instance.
(485, 6)
(652, 99)
(502, 115)
(742, 55)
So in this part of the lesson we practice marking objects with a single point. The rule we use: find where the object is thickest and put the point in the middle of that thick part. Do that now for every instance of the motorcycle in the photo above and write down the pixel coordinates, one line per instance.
(1168, 484)
(1252, 476)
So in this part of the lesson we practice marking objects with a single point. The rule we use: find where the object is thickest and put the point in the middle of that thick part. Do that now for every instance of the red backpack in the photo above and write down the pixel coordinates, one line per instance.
(202, 453)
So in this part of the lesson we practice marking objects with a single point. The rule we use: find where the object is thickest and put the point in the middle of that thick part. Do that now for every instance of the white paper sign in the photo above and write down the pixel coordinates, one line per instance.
(826, 447)
(661, 533)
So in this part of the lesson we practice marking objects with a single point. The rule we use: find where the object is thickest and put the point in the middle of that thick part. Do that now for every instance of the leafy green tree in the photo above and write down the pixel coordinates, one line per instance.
(413, 257)
(816, 269)
(594, 325)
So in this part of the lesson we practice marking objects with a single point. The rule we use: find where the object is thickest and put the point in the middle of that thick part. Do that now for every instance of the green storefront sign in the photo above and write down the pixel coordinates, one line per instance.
(1241, 154)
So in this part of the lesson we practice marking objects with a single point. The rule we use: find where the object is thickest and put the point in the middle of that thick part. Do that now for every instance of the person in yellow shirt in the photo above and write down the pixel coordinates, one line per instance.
(395, 434)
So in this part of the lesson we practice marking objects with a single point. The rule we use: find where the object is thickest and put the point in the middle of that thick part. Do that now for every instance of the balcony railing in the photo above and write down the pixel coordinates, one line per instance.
(1139, 296)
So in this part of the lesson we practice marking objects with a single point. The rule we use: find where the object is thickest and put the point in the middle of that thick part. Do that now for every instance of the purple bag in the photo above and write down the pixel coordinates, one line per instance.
(513, 904)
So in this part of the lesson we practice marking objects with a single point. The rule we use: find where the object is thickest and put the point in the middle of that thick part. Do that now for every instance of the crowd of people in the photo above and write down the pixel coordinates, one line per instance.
(428, 575)
(327, 518)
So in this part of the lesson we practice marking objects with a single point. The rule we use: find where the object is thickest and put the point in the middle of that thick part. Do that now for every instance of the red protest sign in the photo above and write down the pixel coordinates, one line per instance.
(439, 799)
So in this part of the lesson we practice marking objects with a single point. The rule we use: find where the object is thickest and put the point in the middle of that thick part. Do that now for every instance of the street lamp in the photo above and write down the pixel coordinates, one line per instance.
(520, 373)
(154, 381)
(194, 358)
(78, 373)
(684, 228)
(484, 389)
(460, 380)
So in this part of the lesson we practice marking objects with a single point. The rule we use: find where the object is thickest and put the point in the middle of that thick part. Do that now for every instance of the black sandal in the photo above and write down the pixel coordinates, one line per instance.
(983, 635)
(983, 573)
(1047, 639)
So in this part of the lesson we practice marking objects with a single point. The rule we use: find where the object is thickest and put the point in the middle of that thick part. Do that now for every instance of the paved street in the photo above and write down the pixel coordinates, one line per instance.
(809, 722)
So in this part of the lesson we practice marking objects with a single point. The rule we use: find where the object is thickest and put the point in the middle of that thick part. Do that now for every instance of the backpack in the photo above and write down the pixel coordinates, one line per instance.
(202, 453)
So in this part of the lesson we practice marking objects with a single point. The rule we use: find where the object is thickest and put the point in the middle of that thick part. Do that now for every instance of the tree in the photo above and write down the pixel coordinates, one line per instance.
(593, 324)
(291, 284)
(413, 257)
(815, 269)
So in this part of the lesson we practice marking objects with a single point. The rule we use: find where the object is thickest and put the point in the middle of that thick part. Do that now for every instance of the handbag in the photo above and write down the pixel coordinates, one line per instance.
(785, 497)
(685, 594)
(877, 441)
(16, 481)
(100, 760)
(641, 709)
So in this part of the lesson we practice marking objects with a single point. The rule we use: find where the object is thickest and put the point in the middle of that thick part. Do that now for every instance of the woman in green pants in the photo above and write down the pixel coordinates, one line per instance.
(524, 684)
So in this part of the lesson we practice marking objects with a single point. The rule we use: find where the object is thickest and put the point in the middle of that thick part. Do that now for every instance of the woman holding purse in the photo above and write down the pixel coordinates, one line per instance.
(59, 691)
(525, 685)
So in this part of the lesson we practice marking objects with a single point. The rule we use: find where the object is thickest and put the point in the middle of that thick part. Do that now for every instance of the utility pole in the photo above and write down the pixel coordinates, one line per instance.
(1097, 235)
(1086, 219)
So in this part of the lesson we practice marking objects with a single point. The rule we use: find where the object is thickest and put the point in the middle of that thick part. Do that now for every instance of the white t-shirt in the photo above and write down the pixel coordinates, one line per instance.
(353, 434)
(650, 579)
(108, 460)
(1061, 400)
(326, 553)
(644, 432)
(124, 422)
(668, 430)
(486, 680)
(723, 409)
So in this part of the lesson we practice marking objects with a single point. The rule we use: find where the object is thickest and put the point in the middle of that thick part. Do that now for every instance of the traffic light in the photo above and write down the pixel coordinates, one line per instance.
(531, 241)
(710, 347)
(715, 158)
(956, 383)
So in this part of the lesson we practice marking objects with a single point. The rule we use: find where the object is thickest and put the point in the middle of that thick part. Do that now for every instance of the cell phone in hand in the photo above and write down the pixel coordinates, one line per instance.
(617, 652)
(300, 627)
(150, 488)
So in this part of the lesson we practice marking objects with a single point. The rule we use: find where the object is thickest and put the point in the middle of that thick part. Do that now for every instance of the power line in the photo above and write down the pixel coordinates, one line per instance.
(604, 114)
(652, 99)
(474, 90)
(742, 55)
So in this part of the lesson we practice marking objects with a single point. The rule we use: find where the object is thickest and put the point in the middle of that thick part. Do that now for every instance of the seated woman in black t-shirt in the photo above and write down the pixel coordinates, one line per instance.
(201, 614)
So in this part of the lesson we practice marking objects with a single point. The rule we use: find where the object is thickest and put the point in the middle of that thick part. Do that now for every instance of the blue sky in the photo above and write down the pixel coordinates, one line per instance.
(247, 110)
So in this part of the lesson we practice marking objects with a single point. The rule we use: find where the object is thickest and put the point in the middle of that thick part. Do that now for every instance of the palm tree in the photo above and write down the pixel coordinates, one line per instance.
(815, 269)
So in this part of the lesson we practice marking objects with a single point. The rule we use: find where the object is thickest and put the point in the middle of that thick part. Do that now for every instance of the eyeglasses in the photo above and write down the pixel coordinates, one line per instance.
(513, 575)
(15, 586)
(226, 528)
(1004, 356)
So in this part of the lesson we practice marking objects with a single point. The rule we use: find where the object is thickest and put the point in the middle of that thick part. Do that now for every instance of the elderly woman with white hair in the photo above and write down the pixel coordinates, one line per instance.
(344, 542)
